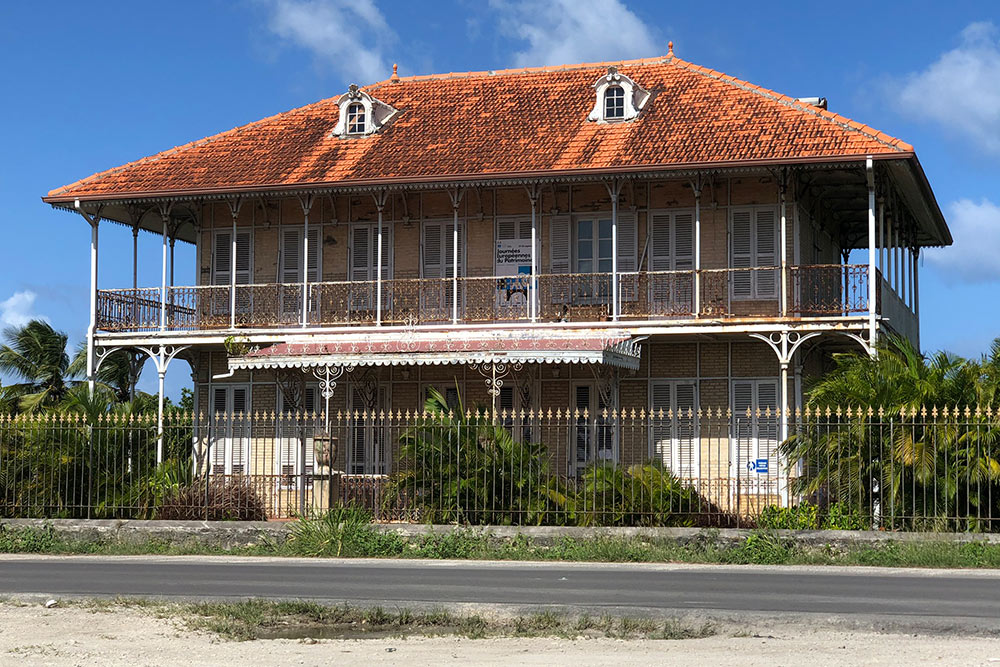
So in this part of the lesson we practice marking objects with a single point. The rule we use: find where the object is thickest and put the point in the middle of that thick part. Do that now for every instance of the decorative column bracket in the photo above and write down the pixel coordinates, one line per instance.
(328, 376)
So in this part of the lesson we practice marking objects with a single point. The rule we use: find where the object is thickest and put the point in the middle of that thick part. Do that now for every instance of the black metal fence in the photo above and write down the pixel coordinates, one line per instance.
(853, 468)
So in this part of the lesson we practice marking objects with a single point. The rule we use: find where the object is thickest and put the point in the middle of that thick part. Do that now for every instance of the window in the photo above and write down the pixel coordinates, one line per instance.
(614, 103)
(674, 426)
(438, 261)
(368, 454)
(229, 439)
(222, 267)
(754, 244)
(593, 246)
(356, 118)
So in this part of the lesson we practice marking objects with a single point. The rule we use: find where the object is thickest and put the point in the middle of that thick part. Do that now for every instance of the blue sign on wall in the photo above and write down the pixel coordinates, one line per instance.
(759, 466)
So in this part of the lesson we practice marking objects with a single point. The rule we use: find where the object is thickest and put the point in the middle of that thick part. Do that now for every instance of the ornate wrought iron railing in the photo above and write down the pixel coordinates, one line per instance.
(710, 294)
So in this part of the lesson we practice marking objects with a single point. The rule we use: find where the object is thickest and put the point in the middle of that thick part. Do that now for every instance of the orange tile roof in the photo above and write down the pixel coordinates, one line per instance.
(478, 124)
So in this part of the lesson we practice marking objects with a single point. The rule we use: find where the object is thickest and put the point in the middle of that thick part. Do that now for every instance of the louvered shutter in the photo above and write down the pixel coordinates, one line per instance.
(741, 242)
(314, 255)
(627, 242)
(661, 257)
(291, 252)
(433, 258)
(240, 431)
(582, 426)
(222, 262)
(743, 401)
(765, 247)
(683, 242)
(221, 421)
(244, 257)
(506, 230)
(559, 244)
(361, 252)
(386, 252)
(662, 405)
(686, 444)
(767, 425)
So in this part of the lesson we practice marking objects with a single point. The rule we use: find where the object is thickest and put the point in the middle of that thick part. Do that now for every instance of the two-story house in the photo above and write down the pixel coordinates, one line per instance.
(640, 235)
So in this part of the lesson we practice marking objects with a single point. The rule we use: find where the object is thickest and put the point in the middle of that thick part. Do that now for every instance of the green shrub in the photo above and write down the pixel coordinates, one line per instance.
(26, 539)
(761, 548)
(841, 516)
(344, 531)
(799, 517)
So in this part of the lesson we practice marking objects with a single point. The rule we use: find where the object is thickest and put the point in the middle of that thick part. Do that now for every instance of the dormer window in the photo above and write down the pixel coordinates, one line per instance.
(619, 98)
(614, 103)
(361, 114)
(356, 118)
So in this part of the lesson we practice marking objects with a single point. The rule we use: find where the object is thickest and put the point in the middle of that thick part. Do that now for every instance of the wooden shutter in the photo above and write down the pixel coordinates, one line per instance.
(767, 426)
(315, 256)
(559, 244)
(627, 242)
(743, 400)
(291, 253)
(661, 406)
(765, 247)
(661, 257)
(433, 255)
(240, 431)
(220, 416)
(506, 230)
(741, 253)
(361, 252)
(386, 251)
(683, 228)
(222, 258)
(686, 429)
(244, 257)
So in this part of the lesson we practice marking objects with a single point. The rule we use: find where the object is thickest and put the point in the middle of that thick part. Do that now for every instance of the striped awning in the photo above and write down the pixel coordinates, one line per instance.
(591, 346)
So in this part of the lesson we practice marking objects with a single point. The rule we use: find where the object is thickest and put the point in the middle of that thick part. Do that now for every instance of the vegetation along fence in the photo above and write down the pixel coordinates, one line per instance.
(852, 468)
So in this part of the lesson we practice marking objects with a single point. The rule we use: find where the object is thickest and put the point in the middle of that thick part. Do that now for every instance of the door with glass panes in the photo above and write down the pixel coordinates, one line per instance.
(368, 453)
(593, 434)
(754, 457)
(230, 430)
(674, 427)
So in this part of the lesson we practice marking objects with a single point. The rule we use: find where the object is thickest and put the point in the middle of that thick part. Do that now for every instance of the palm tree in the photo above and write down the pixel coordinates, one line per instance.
(119, 371)
(36, 355)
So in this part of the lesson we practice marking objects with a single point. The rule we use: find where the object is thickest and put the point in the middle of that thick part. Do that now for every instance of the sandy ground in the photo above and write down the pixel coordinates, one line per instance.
(33, 635)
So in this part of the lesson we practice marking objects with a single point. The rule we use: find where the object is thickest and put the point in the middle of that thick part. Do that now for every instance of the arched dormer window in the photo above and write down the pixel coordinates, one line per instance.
(614, 103)
(356, 118)
(619, 98)
(361, 114)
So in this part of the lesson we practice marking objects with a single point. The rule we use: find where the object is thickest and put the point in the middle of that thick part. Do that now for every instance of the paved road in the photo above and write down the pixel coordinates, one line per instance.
(913, 596)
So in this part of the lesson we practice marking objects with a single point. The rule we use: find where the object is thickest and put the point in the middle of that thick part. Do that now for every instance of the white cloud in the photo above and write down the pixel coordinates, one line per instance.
(975, 257)
(19, 309)
(557, 32)
(348, 36)
(961, 90)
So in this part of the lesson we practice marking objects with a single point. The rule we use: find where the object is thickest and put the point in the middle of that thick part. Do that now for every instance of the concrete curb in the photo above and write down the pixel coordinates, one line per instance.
(229, 534)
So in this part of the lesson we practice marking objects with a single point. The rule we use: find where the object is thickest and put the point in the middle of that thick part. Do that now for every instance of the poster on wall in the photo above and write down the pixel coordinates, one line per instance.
(513, 259)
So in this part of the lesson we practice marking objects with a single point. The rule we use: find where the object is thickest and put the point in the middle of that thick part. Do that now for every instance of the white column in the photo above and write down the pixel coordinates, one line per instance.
(895, 255)
(783, 239)
(232, 269)
(533, 279)
(135, 256)
(872, 292)
(881, 237)
(697, 246)
(306, 206)
(161, 370)
(92, 325)
(173, 240)
(615, 191)
(916, 285)
(456, 197)
(380, 205)
(163, 274)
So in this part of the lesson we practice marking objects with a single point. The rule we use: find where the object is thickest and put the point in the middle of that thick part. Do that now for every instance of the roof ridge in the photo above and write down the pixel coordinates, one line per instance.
(512, 71)
(845, 122)
(181, 147)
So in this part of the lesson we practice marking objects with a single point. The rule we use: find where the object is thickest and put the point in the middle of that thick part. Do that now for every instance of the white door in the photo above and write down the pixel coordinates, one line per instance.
(364, 265)
(368, 454)
(295, 458)
(222, 267)
(438, 266)
(291, 264)
(754, 459)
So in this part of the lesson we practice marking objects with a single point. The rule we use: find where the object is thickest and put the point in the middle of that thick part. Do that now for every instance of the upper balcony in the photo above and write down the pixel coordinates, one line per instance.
(814, 292)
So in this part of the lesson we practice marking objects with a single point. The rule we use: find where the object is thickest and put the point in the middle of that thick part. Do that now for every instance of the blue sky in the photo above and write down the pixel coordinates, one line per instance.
(91, 85)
